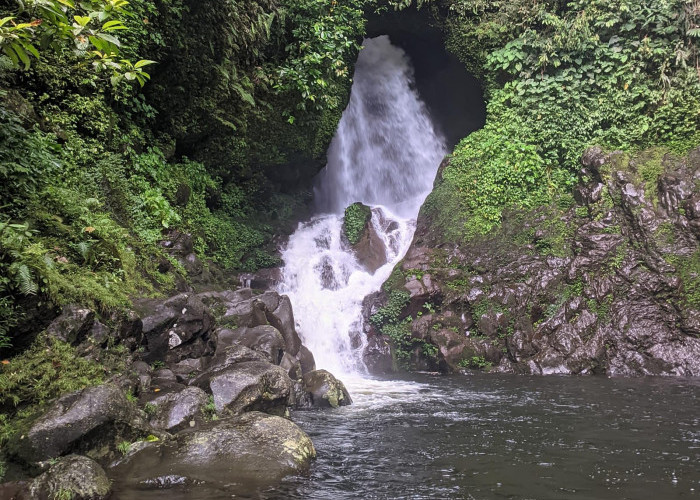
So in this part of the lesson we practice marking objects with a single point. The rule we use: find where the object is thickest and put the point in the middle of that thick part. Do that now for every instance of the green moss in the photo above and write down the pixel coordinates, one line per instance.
(51, 368)
(688, 270)
(475, 363)
(355, 221)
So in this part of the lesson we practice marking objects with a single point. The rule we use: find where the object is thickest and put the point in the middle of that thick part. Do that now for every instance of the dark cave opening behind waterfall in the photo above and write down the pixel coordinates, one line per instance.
(453, 97)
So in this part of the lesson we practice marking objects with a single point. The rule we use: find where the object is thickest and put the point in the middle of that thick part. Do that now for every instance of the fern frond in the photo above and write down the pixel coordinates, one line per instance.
(24, 280)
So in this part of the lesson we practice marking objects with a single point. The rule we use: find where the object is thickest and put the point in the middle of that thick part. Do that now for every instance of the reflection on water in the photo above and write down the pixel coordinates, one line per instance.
(488, 436)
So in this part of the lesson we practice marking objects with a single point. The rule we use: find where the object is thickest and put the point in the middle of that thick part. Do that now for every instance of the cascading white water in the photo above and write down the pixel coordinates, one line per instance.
(385, 154)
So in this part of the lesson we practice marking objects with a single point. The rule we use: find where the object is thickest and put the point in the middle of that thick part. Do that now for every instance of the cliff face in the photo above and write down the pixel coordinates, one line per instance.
(605, 283)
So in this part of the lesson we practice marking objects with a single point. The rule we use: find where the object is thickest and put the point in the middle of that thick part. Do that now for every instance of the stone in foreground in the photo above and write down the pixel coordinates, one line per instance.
(75, 477)
(247, 451)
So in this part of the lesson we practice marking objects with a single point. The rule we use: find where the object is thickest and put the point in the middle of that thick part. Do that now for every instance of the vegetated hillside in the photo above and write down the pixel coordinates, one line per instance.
(239, 104)
(560, 77)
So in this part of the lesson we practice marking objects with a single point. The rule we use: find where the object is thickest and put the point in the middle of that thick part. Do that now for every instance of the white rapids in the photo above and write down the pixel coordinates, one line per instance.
(385, 154)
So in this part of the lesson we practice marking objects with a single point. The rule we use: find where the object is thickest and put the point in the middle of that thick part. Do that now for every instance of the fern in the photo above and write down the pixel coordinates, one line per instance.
(84, 249)
(24, 280)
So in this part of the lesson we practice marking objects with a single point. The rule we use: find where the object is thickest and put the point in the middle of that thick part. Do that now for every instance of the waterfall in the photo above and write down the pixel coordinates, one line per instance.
(385, 154)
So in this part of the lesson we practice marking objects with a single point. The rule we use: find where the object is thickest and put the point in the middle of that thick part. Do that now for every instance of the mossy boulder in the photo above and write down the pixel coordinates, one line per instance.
(324, 390)
(74, 420)
(355, 221)
(253, 385)
(247, 451)
(75, 477)
(368, 247)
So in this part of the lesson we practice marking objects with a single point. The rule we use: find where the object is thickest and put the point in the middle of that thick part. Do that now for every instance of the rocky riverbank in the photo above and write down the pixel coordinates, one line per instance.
(605, 282)
(208, 381)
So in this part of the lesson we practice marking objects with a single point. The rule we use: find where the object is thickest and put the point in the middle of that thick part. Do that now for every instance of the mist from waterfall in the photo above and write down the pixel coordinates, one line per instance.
(385, 154)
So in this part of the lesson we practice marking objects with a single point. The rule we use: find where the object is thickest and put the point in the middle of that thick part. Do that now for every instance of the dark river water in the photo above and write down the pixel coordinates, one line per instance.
(503, 437)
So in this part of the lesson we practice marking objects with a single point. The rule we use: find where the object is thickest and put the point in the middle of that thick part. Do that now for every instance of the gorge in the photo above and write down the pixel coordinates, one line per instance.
(482, 217)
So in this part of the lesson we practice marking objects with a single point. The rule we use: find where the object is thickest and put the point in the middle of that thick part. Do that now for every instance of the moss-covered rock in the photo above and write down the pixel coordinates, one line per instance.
(604, 282)
(243, 452)
(355, 221)
(324, 390)
(74, 477)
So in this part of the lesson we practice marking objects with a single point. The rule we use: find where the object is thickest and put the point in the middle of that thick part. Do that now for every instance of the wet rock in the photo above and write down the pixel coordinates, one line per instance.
(75, 477)
(69, 420)
(227, 355)
(173, 327)
(252, 385)
(377, 355)
(325, 390)
(178, 243)
(143, 373)
(292, 366)
(282, 318)
(187, 369)
(306, 359)
(250, 450)
(72, 325)
(265, 339)
(368, 247)
(177, 411)
(265, 279)
(607, 286)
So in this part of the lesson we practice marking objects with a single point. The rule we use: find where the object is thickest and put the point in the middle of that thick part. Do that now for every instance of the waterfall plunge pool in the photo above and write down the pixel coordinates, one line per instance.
(498, 436)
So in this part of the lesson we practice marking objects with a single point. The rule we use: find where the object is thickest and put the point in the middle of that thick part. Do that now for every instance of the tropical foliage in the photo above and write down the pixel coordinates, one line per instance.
(561, 76)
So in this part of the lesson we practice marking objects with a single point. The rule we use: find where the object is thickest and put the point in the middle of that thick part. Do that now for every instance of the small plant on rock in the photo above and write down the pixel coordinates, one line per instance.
(123, 447)
(150, 409)
(209, 410)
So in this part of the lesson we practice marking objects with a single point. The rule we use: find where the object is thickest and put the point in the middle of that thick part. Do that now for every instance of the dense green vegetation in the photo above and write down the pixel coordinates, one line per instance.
(95, 169)
(236, 114)
(560, 76)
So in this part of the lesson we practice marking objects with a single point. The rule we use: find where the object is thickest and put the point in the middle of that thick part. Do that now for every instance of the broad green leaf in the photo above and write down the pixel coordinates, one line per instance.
(11, 54)
(82, 20)
(21, 54)
(143, 62)
(31, 49)
(113, 25)
(109, 38)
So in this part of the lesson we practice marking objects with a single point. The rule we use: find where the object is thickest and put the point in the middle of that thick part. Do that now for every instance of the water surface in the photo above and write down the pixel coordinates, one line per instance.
(505, 437)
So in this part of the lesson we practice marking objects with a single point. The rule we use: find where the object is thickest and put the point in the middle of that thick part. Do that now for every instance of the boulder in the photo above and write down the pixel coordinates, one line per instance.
(306, 359)
(377, 355)
(325, 390)
(226, 356)
(282, 318)
(75, 477)
(69, 420)
(265, 339)
(292, 366)
(179, 410)
(72, 325)
(173, 326)
(187, 369)
(252, 385)
(243, 452)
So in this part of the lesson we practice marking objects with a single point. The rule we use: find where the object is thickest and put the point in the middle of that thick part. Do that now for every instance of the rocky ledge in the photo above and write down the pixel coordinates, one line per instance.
(210, 381)
(606, 282)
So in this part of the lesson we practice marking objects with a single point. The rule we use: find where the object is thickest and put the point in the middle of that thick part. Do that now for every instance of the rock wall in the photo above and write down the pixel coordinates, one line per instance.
(605, 283)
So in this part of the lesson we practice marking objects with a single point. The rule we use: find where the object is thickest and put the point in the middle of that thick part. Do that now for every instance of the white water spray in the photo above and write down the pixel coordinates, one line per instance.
(385, 154)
